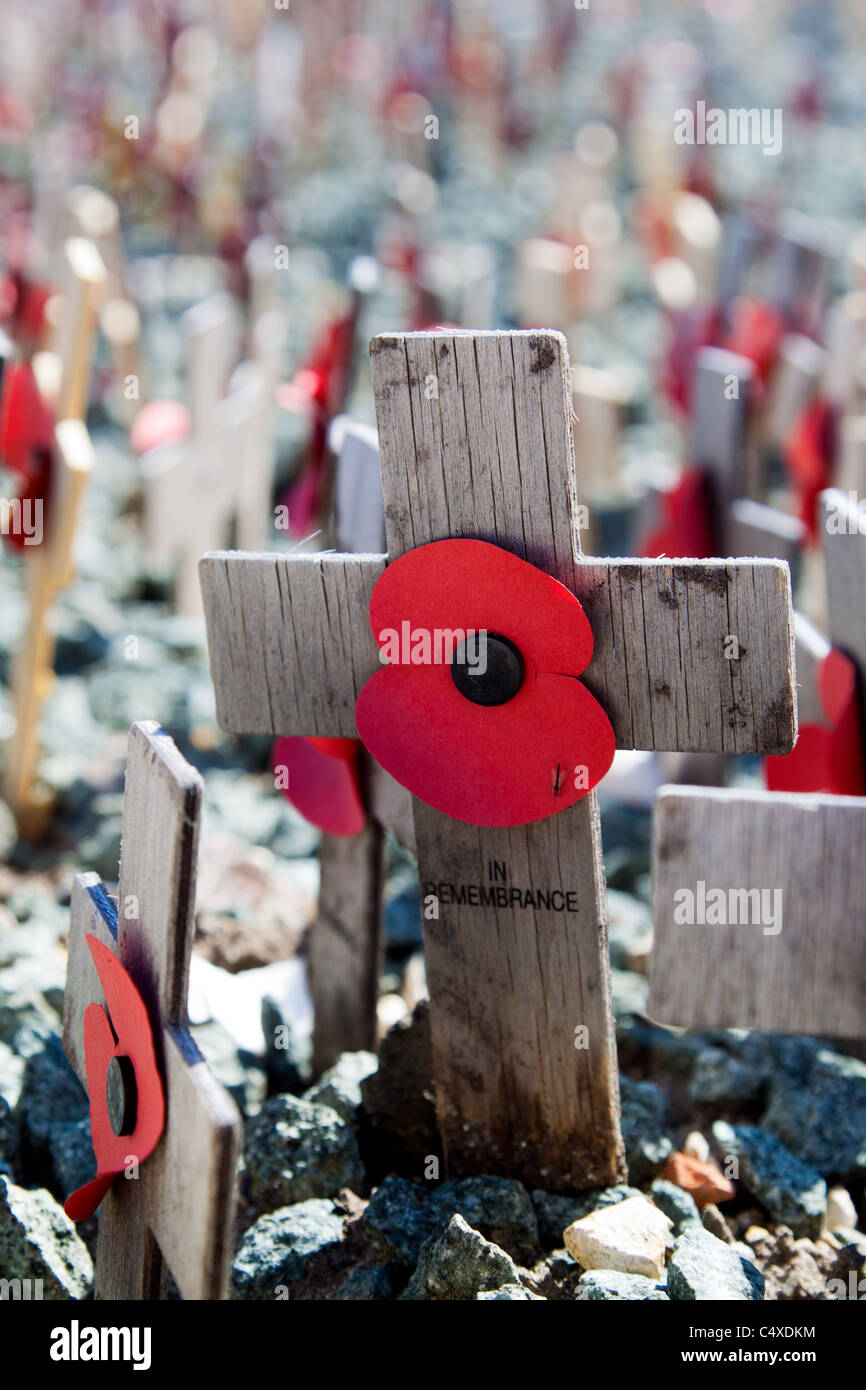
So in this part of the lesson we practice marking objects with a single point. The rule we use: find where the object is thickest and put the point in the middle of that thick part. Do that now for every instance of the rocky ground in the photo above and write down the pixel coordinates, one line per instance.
(340, 1197)
(340, 1193)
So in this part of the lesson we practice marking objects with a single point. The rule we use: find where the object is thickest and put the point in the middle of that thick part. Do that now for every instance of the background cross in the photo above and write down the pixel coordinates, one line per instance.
(179, 1213)
(810, 975)
(476, 441)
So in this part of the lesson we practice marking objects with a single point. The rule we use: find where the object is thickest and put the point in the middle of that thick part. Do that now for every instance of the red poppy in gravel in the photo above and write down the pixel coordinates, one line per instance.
(479, 712)
(321, 781)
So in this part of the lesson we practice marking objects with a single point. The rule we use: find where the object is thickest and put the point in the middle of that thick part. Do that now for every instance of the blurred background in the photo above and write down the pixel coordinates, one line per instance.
(267, 186)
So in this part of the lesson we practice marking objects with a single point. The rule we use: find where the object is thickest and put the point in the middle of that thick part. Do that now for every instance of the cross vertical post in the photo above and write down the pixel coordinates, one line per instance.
(176, 1213)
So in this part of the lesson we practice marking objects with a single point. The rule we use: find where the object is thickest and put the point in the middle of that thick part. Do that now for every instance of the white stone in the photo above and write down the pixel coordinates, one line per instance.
(697, 1146)
(630, 1236)
(841, 1211)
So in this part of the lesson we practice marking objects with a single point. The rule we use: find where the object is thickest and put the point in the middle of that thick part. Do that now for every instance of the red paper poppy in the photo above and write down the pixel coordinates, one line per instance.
(322, 781)
(826, 758)
(121, 1031)
(808, 457)
(756, 332)
(159, 422)
(26, 440)
(686, 524)
(505, 745)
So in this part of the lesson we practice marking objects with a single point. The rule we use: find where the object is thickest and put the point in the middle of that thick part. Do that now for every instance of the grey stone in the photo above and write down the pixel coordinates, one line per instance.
(721, 1079)
(340, 1085)
(629, 992)
(400, 1218)
(70, 1151)
(509, 1293)
(500, 1208)
(399, 1131)
(459, 1264)
(278, 1250)
(704, 1268)
(38, 1241)
(237, 1070)
(677, 1204)
(629, 920)
(11, 1074)
(8, 1131)
(52, 1103)
(371, 1282)
(791, 1191)
(288, 1067)
(820, 1116)
(611, 1286)
(554, 1212)
(647, 1143)
(295, 1150)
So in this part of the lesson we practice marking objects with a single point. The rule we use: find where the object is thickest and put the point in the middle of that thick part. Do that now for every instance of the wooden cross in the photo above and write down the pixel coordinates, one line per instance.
(721, 449)
(196, 490)
(178, 1213)
(64, 373)
(346, 945)
(476, 441)
(788, 958)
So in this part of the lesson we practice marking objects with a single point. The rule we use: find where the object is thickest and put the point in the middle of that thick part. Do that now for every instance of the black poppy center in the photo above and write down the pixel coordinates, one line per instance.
(487, 669)
(121, 1095)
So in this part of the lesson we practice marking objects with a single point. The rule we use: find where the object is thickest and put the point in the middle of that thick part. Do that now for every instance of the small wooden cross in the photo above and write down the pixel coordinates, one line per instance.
(721, 448)
(476, 441)
(178, 1213)
(346, 945)
(64, 373)
(781, 949)
(195, 490)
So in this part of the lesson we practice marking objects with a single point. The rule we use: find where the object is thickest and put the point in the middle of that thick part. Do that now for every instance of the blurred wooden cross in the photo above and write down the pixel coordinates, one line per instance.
(49, 564)
(197, 489)
(758, 895)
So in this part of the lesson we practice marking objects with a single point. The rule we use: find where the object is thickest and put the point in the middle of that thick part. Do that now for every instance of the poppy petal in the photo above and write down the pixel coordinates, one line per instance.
(505, 764)
(322, 782)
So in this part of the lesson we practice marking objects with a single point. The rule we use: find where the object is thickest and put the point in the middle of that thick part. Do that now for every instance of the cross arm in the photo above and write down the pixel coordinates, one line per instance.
(290, 647)
(781, 948)
(289, 640)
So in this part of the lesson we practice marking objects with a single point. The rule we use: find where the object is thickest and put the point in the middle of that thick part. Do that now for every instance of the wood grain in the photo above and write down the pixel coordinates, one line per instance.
(346, 945)
(360, 513)
(720, 422)
(810, 977)
(491, 456)
(289, 639)
(659, 666)
(845, 563)
(179, 1212)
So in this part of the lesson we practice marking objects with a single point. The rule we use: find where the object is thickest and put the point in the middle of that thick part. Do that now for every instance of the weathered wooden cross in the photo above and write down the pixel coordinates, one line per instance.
(757, 895)
(177, 1210)
(476, 441)
(195, 489)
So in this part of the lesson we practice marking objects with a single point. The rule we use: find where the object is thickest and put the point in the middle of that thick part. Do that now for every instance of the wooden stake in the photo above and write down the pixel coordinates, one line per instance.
(49, 569)
(178, 1213)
